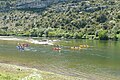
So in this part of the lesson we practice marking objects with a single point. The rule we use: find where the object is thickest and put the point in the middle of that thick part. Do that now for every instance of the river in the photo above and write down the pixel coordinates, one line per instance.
(101, 59)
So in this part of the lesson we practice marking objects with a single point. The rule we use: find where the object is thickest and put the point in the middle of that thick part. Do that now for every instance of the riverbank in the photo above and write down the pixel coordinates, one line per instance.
(29, 40)
(14, 72)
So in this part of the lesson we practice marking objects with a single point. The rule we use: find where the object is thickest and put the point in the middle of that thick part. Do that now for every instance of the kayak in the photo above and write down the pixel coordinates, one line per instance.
(84, 46)
(19, 47)
(56, 48)
(25, 45)
(75, 48)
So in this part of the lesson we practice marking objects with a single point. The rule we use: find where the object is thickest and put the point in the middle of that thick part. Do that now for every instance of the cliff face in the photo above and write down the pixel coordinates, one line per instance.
(28, 4)
(38, 3)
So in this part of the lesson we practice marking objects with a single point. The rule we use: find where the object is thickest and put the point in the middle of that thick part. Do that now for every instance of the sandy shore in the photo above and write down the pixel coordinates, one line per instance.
(14, 72)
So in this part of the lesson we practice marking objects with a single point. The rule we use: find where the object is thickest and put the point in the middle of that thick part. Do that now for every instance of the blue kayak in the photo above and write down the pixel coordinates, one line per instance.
(20, 48)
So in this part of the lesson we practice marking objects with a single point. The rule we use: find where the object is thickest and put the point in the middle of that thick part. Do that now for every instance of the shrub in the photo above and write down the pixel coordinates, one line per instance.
(102, 18)
(103, 35)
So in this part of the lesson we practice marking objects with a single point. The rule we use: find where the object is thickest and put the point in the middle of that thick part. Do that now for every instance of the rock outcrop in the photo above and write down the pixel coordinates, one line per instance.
(29, 4)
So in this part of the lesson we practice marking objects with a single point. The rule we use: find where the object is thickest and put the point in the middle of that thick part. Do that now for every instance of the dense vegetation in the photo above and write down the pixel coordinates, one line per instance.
(92, 19)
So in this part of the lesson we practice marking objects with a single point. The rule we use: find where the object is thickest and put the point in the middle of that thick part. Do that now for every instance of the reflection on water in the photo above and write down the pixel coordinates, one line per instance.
(102, 59)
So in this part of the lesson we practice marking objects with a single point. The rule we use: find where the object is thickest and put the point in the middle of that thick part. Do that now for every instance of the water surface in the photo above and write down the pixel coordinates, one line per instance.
(102, 59)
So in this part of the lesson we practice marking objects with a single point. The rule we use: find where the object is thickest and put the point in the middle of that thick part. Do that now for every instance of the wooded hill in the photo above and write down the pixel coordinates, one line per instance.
(89, 19)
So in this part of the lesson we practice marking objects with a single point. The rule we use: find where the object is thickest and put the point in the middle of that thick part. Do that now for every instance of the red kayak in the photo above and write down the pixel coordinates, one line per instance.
(25, 45)
(56, 48)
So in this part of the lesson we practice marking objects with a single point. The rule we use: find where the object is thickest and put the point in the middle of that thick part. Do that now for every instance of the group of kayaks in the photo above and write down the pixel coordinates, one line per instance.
(79, 47)
(22, 46)
(73, 47)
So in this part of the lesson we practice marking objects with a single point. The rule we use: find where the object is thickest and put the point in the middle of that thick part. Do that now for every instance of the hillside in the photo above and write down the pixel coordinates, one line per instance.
(90, 19)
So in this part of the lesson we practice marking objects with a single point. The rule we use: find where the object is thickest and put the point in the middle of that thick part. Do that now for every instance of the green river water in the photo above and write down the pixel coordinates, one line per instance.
(102, 59)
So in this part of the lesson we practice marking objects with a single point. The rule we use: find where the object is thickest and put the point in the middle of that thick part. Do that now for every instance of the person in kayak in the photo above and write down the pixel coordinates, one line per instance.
(22, 46)
(56, 47)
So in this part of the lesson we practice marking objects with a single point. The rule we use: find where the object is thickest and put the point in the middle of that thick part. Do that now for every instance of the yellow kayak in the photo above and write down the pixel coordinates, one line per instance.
(75, 48)
(84, 46)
